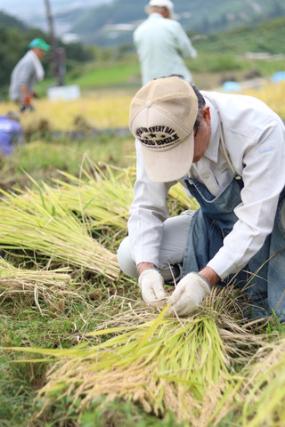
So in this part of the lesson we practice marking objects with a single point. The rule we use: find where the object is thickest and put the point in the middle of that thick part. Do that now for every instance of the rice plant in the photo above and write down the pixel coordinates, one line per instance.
(179, 194)
(162, 363)
(104, 198)
(273, 95)
(109, 111)
(37, 222)
(46, 285)
(263, 395)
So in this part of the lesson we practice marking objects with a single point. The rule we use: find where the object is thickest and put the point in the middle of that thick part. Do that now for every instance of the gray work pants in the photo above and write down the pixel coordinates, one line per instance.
(172, 250)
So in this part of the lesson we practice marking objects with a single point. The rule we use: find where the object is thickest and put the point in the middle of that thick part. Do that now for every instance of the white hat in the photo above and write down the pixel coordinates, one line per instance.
(162, 117)
(161, 3)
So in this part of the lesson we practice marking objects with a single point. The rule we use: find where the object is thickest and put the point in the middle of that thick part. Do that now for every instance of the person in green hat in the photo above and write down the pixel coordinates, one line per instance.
(27, 72)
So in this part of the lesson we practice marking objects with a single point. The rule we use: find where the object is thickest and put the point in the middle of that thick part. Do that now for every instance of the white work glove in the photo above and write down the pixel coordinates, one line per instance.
(151, 285)
(188, 294)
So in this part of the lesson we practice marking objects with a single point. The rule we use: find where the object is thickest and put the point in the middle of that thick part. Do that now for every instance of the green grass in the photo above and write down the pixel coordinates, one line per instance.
(23, 325)
(19, 382)
(222, 63)
(265, 37)
(114, 74)
(124, 414)
(94, 76)
(213, 64)
(43, 159)
(211, 69)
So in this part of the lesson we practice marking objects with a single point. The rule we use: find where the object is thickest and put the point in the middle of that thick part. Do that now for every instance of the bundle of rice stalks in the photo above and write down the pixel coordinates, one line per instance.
(184, 201)
(263, 396)
(37, 222)
(104, 198)
(46, 285)
(165, 364)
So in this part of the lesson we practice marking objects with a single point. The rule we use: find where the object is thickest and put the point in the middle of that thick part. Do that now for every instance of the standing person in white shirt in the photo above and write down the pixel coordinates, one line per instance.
(162, 43)
(229, 153)
(26, 73)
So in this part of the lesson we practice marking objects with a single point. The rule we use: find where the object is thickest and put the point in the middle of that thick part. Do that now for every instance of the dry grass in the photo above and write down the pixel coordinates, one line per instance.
(49, 286)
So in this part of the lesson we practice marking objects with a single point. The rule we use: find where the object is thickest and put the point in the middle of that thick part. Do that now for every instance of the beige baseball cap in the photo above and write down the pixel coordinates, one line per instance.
(162, 117)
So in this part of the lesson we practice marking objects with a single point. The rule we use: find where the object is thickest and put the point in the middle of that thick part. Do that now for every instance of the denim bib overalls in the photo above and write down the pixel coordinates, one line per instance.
(264, 276)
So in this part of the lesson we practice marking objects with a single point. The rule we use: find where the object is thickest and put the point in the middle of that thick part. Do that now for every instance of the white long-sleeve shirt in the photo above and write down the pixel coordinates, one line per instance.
(254, 137)
(161, 44)
(28, 71)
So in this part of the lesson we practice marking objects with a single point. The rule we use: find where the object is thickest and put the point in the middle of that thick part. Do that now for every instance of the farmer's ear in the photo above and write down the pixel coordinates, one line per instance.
(206, 114)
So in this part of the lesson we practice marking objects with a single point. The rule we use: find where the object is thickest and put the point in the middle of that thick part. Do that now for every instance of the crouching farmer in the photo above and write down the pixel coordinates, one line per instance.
(229, 153)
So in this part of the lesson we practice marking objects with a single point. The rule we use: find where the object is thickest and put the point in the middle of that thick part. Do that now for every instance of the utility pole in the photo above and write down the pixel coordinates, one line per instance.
(58, 56)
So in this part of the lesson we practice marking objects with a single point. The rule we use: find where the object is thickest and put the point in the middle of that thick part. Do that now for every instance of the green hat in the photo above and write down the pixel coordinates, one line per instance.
(39, 44)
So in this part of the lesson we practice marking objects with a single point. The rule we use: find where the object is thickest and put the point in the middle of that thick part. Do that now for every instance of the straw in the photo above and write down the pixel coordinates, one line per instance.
(46, 285)
(263, 393)
(36, 221)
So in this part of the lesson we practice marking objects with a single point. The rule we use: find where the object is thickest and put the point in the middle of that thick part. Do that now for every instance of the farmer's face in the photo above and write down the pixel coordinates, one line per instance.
(202, 134)
(165, 12)
(40, 53)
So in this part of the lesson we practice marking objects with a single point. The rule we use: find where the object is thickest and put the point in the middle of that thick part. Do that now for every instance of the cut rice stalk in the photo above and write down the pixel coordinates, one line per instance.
(102, 200)
(164, 364)
(47, 285)
(36, 221)
(178, 193)
(263, 395)
(105, 199)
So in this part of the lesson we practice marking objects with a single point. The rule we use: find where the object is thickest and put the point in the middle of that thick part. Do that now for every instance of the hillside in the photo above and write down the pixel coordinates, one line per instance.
(31, 11)
(102, 25)
(264, 37)
(7, 21)
(28, 9)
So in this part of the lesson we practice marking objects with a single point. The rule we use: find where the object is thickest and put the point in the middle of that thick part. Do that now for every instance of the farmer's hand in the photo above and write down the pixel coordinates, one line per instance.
(188, 294)
(151, 285)
(27, 100)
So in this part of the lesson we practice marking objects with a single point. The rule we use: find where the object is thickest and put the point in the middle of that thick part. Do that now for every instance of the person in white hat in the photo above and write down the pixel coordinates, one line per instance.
(162, 43)
(228, 151)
